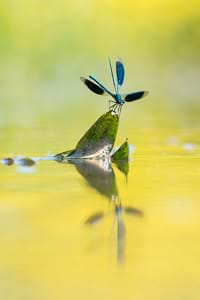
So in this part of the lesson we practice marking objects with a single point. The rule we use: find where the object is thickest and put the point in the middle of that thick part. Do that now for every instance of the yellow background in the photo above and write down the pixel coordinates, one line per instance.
(46, 252)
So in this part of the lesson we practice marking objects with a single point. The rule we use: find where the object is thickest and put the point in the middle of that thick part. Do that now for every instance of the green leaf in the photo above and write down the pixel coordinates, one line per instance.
(120, 158)
(97, 142)
(122, 153)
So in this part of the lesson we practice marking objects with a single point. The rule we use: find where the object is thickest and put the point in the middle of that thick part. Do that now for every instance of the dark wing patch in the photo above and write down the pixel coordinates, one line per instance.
(120, 72)
(135, 96)
(92, 86)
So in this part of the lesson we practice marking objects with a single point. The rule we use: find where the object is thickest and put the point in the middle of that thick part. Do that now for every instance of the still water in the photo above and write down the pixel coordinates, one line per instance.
(89, 231)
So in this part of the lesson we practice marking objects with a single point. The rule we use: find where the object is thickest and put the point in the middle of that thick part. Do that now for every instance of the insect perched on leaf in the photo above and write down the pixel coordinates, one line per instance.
(119, 99)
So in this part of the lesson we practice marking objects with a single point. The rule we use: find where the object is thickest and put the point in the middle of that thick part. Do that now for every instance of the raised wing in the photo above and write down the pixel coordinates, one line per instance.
(120, 72)
(93, 86)
(134, 96)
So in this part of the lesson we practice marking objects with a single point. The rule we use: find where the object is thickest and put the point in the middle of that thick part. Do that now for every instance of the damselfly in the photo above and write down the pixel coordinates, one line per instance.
(119, 99)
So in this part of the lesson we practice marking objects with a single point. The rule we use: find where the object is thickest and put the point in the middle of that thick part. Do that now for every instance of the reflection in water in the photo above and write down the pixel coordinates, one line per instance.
(100, 175)
(117, 209)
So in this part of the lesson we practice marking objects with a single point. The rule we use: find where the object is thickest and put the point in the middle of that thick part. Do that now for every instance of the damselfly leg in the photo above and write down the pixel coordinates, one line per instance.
(115, 107)
(111, 105)
(119, 109)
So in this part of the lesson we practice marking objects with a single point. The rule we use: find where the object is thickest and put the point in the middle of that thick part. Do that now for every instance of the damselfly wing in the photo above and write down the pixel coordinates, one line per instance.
(134, 96)
(120, 72)
(92, 86)
(119, 99)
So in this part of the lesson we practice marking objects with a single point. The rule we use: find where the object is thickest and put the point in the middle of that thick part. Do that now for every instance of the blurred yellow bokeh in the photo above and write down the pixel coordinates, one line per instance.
(46, 252)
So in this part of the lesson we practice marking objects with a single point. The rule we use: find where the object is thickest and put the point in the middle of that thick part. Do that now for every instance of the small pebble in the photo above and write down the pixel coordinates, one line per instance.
(8, 161)
(25, 162)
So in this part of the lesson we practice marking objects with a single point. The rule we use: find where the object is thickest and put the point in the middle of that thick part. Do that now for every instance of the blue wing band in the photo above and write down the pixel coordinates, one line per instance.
(120, 72)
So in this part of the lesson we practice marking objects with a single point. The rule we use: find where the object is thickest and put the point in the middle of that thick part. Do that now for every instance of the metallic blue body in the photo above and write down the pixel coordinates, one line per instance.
(119, 99)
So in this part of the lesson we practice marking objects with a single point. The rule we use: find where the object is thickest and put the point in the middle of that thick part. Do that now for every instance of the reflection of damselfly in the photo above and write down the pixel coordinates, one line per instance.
(119, 99)
(118, 211)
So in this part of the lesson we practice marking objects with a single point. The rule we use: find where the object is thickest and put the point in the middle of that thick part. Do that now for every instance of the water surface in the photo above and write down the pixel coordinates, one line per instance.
(87, 231)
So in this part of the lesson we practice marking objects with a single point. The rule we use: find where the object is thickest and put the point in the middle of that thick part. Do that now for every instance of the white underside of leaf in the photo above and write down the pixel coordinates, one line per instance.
(101, 153)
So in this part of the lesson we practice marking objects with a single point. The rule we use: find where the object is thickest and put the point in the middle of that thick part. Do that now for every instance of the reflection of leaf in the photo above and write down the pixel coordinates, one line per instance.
(98, 174)
(98, 141)
(123, 166)
(120, 158)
